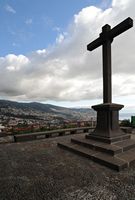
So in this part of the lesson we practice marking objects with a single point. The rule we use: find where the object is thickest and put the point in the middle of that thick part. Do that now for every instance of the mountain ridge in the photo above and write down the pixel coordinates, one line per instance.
(33, 107)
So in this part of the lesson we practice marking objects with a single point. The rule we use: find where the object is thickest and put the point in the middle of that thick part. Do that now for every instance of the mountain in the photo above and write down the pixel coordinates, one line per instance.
(32, 105)
(40, 110)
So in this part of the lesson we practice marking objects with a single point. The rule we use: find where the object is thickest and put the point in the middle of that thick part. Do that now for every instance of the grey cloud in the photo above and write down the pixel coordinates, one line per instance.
(67, 71)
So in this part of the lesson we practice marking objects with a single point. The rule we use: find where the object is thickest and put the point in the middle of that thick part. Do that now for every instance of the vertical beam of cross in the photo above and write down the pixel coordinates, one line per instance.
(107, 81)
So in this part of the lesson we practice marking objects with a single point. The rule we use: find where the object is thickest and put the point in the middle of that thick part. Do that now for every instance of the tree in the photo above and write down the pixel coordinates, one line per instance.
(125, 122)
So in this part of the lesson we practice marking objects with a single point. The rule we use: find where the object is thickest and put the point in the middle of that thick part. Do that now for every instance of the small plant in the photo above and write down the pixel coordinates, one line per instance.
(125, 122)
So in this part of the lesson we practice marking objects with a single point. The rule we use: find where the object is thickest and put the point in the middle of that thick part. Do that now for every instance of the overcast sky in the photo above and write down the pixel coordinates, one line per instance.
(43, 54)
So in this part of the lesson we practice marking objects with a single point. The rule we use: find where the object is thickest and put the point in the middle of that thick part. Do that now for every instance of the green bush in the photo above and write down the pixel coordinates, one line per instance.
(125, 122)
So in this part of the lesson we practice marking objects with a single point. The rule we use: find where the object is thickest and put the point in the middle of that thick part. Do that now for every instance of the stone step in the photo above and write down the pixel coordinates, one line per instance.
(98, 146)
(108, 140)
(77, 149)
(111, 149)
(126, 144)
(128, 156)
(112, 162)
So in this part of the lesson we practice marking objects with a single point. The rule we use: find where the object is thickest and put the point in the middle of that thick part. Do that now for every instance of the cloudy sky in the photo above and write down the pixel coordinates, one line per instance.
(43, 54)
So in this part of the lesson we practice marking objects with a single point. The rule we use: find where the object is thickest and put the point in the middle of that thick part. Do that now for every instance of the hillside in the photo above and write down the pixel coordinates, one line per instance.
(40, 110)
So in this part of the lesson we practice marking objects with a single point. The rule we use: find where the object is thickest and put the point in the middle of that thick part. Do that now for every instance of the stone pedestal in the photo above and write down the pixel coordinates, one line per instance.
(107, 129)
(107, 144)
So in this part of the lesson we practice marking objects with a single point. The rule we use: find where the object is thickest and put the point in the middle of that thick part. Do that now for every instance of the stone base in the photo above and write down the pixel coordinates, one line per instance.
(107, 144)
(107, 129)
(117, 156)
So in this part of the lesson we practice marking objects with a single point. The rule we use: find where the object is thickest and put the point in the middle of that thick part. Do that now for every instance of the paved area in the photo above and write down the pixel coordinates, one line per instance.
(39, 170)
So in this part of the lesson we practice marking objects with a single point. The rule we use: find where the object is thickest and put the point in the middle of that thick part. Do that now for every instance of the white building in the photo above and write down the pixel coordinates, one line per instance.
(2, 128)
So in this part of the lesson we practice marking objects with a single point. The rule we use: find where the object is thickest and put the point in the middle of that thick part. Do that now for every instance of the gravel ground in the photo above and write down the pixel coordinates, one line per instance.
(39, 170)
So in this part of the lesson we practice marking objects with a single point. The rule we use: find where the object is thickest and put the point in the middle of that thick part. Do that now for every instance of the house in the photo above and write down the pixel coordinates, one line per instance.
(2, 128)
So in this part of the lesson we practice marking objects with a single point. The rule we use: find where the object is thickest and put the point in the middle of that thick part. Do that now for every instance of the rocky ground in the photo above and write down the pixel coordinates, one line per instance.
(39, 170)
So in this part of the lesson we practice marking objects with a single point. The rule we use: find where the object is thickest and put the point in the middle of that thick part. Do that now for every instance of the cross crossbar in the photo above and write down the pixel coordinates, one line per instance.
(117, 30)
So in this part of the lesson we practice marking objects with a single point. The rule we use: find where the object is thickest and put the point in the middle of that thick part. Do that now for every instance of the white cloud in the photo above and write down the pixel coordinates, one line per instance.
(10, 9)
(87, 15)
(120, 3)
(12, 62)
(42, 51)
(28, 21)
(67, 71)
(56, 28)
(60, 38)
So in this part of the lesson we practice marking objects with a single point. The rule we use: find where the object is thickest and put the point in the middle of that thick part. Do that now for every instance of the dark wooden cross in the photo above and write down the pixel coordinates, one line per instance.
(105, 39)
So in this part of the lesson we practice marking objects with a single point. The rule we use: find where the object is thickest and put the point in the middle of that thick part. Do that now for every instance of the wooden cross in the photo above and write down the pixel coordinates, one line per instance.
(105, 39)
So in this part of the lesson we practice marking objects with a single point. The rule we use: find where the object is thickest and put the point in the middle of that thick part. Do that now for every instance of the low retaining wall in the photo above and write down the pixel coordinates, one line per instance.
(47, 134)
(126, 129)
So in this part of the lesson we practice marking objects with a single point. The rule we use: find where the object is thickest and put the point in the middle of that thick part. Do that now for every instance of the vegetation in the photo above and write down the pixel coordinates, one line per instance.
(125, 122)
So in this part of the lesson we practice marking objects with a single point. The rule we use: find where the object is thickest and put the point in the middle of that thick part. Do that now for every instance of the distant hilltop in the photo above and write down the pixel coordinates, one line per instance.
(40, 110)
